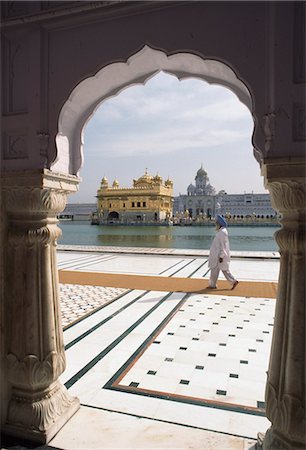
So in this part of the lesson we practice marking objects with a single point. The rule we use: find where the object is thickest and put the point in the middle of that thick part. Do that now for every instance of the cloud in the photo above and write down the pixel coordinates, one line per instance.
(168, 140)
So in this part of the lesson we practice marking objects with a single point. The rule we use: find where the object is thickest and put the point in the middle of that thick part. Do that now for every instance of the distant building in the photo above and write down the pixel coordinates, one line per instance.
(149, 200)
(78, 211)
(202, 201)
(246, 205)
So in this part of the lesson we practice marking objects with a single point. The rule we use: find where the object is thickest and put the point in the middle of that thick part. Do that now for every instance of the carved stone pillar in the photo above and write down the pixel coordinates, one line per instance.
(285, 389)
(38, 405)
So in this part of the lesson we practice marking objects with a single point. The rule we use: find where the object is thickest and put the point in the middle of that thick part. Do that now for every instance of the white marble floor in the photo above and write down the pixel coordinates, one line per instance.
(245, 268)
(186, 362)
(163, 370)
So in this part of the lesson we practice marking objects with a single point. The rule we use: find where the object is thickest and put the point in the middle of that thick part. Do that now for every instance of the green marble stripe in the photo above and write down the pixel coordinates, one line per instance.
(145, 343)
(110, 347)
(98, 325)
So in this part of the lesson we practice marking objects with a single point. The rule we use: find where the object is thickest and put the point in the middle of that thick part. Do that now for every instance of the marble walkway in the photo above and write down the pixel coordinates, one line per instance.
(164, 369)
(190, 362)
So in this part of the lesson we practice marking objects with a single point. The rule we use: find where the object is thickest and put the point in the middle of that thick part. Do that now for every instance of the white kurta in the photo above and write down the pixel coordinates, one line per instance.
(220, 249)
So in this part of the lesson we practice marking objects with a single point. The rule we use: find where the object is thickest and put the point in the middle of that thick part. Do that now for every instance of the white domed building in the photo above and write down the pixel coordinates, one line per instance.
(200, 200)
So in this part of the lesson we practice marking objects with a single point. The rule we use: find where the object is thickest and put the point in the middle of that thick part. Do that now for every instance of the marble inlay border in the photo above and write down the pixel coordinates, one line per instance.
(114, 381)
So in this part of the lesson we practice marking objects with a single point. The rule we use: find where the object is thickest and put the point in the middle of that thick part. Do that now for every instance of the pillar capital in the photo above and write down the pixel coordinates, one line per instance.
(40, 193)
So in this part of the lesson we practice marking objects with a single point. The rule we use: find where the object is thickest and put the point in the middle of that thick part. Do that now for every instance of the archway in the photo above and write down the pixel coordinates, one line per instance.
(112, 79)
(113, 216)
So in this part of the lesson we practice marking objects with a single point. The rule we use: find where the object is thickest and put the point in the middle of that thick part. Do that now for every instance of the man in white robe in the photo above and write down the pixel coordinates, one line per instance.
(219, 255)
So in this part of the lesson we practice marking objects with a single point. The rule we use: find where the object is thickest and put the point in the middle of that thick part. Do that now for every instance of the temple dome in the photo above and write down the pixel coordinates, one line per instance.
(191, 188)
(201, 172)
(115, 183)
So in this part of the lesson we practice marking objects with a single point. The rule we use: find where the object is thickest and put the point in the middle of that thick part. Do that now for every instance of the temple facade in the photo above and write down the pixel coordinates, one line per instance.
(202, 200)
(149, 200)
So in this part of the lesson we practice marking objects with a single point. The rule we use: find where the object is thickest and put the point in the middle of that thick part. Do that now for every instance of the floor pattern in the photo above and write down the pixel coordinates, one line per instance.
(197, 359)
(77, 301)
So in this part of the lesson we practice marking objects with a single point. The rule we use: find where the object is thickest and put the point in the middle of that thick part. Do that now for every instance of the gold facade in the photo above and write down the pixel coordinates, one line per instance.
(150, 200)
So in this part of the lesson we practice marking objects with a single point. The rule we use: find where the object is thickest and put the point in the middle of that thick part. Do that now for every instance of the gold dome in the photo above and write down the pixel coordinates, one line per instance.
(104, 182)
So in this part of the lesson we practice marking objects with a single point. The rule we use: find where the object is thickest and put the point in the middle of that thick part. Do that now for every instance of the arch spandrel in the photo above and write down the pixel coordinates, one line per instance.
(115, 77)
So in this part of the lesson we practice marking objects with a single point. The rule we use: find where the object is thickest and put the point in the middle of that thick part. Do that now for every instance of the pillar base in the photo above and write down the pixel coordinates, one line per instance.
(39, 420)
(272, 441)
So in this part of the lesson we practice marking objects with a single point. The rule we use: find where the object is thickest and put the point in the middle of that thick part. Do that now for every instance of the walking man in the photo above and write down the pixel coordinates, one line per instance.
(219, 255)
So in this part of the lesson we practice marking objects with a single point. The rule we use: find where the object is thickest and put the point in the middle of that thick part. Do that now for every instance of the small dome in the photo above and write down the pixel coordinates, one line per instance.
(115, 183)
(191, 188)
(168, 182)
(201, 172)
(158, 178)
(104, 180)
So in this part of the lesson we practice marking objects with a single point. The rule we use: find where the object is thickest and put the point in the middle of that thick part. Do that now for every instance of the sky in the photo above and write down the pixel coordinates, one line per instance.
(170, 127)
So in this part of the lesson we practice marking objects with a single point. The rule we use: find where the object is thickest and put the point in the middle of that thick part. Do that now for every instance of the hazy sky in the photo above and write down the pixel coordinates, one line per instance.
(170, 127)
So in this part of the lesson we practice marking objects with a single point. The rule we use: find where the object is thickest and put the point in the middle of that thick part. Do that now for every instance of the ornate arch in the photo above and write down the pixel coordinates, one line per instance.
(115, 77)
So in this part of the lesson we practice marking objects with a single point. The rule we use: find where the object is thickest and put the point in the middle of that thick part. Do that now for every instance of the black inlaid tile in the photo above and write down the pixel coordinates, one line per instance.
(220, 392)
(195, 339)
(209, 308)
(259, 340)
(169, 359)
(151, 372)
(243, 361)
(230, 311)
(232, 335)
(261, 404)
(206, 331)
(217, 303)
(190, 305)
(266, 332)
(246, 320)
(199, 367)
(236, 306)
(202, 314)
(184, 382)
(234, 375)
(212, 354)
(183, 348)
(134, 384)
(223, 317)
(181, 310)
(239, 328)
(215, 323)
(170, 334)
(222, 344)
(192, 320)
(252, 350)
(156, 342)
(270, 324)
(182, 326)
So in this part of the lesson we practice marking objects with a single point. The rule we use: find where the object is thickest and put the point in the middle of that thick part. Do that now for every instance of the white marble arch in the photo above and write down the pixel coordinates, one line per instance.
(87, 96)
